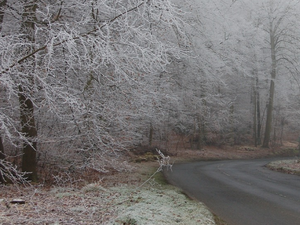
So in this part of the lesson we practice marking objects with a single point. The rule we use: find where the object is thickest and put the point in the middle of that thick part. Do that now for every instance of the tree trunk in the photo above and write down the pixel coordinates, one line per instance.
(150, 135)
(232, 138)
(2, 156)
(255, 114)
(200, 134)
(29, 130)
(2, 8)
(268, 128)
(282, 123)
(258, 119)
(201, 139)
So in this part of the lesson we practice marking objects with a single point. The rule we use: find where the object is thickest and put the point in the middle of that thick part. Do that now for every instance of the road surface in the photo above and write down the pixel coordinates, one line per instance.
(241, 192)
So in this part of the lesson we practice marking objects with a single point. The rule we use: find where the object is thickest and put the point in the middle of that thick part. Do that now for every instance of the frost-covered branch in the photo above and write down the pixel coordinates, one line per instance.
(94, 31)
(11, 174)
(164, 161)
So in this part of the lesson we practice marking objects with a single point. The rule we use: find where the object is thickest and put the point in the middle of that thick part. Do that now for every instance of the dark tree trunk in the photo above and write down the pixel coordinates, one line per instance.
(2, 8)
(255, 114)
(29, 130)
(200, 137)
(233, 136)
(2, 156)
(282, 123)
(29, 162)
(150, 135)
(268, 128)
(258, 119)
(199, 134)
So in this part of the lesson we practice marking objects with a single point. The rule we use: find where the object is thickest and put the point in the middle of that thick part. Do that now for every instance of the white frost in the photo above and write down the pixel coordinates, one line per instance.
(154, 206)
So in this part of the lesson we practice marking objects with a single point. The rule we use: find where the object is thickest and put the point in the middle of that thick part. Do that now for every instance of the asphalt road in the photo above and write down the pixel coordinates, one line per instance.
(241, 192)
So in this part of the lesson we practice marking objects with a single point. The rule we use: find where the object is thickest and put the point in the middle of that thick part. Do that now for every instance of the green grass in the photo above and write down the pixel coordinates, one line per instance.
(160, 178)
(219, 221)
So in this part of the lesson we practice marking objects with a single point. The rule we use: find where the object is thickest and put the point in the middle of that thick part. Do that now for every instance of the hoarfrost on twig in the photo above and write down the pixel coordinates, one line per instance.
(164, 161)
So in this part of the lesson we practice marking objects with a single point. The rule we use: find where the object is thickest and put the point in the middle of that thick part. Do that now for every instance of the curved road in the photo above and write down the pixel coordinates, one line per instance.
(241, 192)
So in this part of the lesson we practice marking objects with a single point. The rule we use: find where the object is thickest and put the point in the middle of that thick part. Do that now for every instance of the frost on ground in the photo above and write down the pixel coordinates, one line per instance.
(94, 204)
(139, 204)
(168, 206)
(291, 166)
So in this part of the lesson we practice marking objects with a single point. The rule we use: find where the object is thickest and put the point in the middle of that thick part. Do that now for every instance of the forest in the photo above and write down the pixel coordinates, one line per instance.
(83, 82)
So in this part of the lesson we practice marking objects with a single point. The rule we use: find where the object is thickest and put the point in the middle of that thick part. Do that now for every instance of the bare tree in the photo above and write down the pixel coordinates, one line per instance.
(281, 18)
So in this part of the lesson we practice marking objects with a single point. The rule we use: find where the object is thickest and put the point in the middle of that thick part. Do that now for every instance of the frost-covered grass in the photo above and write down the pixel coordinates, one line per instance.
(291, 166)
(150, 204)
(159, 206)
(143, 201)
